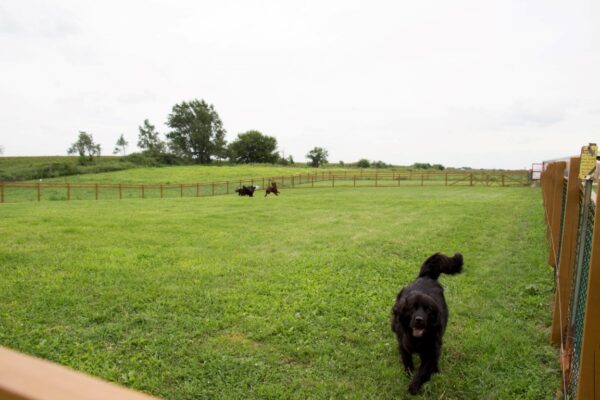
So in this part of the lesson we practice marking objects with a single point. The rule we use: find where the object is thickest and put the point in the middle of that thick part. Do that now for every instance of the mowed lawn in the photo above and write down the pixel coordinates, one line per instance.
(280, 297)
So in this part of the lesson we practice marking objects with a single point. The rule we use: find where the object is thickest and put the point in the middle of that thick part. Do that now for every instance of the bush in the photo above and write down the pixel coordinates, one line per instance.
(363, 163)
(54, 170)
(147, 159)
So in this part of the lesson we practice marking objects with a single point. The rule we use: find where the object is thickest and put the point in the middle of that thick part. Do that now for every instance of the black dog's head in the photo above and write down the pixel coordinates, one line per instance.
(418, 313)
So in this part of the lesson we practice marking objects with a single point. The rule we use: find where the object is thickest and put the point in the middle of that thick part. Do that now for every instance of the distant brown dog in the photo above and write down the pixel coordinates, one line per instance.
(272, 189)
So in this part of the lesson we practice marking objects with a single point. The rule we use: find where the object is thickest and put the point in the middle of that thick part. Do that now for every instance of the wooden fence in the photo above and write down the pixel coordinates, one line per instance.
(38, 191)
(24, 377)
(574, 239)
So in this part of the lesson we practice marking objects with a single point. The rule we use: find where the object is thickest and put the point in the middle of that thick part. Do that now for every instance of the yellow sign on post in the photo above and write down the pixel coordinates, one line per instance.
(588, 160)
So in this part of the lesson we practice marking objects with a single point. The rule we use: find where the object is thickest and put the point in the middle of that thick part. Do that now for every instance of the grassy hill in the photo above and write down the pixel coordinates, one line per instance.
(114, 169)
(102, 170)
(27, 168)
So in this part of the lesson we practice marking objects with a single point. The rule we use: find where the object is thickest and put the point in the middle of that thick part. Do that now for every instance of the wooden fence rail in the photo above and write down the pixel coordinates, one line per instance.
(38, 191)
(573, 231)
(23, 377)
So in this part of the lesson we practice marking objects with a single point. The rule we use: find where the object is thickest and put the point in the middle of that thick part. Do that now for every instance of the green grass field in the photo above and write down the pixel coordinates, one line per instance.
(283, 297)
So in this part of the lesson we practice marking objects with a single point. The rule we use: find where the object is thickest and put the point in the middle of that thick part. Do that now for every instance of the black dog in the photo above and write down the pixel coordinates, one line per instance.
(420, 315)
(246, 191)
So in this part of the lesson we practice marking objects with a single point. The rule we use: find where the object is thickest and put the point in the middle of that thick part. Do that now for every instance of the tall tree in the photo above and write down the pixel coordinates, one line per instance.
(196, 127)
(149, 139)
(121, 146)
(220, 146)
(253, 147)
(317, 156)
(85, 145)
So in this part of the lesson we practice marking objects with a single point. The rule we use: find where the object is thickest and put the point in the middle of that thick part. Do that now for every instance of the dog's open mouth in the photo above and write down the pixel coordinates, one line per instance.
(418, 332)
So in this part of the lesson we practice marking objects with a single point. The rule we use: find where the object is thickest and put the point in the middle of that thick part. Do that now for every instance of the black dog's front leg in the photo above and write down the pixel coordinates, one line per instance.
(429, 365)
(407, 360)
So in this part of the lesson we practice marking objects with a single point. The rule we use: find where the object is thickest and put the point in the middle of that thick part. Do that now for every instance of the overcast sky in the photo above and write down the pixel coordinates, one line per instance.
(463, 83)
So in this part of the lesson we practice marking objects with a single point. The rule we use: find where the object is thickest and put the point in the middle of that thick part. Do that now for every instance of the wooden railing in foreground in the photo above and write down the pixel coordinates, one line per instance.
(24, 377)
(37, 191)
(573, 223)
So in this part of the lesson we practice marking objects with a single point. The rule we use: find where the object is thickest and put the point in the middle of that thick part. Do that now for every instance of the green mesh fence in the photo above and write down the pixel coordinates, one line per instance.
(562, 219)
(579, 287)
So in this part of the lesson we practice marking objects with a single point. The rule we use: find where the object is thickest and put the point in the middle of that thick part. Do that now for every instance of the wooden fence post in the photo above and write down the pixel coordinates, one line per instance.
(589, 370)
(446, 179)
(332, 180)
(96, 191)
(213, 188)
(181, 190)
(503, 175)
(376, 179)
(471, 179)
(120, 192)
(1, 192)
(39, 192)
(354, 180)
(313, 181)
(422, 179)
(161, 190)
(143, 192)
(68, 191)
(567, 252)
(227, 185)
(555, 211)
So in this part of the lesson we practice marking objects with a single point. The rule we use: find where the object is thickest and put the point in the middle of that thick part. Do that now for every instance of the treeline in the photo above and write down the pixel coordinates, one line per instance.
(196, 136)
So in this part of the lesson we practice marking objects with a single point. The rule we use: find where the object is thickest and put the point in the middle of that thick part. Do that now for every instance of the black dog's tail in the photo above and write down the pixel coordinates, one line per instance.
(439, 263)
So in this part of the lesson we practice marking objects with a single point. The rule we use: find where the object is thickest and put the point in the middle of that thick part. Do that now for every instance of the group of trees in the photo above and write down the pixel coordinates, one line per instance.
(364, 163)
(197, 135)
(85, 147)
(428, 166)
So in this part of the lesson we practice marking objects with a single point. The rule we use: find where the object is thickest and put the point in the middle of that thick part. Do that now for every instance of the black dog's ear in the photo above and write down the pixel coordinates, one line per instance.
(396, 313)
(400, 304)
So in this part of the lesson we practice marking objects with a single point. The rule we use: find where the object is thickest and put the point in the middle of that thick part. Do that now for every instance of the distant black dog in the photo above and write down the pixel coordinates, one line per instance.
(246, 191)
(420, 315)
(272, 189)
